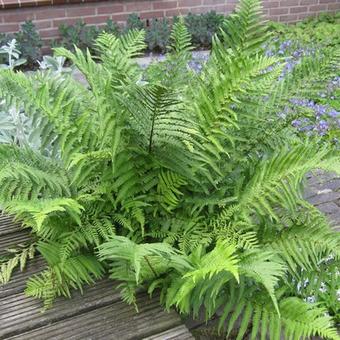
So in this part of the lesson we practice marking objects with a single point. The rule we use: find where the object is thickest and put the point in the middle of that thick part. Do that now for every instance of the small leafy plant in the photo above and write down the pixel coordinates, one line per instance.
(83, 36)
(28, 42)
(158, 34)
(181, 182)
(134, 22)
(55, 64)
(80, 35)
(12, 55)
(323, 30)
(203, 27)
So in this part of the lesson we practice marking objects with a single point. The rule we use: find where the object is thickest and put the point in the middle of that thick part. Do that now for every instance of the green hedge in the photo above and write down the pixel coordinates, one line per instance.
(200, 26)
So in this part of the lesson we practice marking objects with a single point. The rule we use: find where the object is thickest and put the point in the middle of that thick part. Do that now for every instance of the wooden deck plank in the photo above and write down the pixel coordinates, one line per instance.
(12, 240)
(7, 225)
(114, 321)
(19, 314)
(181, 332)
(18, 280)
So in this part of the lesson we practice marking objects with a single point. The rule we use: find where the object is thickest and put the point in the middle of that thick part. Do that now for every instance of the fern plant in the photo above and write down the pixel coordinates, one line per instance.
(182, 182)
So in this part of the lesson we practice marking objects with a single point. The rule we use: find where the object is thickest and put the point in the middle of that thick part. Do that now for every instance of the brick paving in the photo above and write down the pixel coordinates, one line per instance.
(323, 191)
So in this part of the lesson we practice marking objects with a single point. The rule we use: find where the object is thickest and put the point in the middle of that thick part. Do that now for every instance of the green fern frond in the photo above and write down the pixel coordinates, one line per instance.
(158, 119)
(28, 174)
(219, 266)
(145, 260)
(19, 258)
(220, 259)
(88, 67)
(35, 212)
(117, 55)
(128, 293)
(278, 180)
(168, 188)
(306, 243)
(180, 39)
(303, 319)
(62, 275)
(43, 287)
(266, 268)
(244, 31)
(298, 319)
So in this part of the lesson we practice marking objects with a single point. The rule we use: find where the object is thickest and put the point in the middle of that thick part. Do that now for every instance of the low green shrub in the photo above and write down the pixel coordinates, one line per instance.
(134, 22)
(29, 42)
(81, 35)
(157, 35)
(321, 30)
(203, 27)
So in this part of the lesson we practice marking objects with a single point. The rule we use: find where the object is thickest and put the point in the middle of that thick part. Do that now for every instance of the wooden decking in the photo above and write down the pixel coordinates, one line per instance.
(97, 314)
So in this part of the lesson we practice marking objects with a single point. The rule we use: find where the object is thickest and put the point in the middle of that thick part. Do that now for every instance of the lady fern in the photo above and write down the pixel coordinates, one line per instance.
(182, 182)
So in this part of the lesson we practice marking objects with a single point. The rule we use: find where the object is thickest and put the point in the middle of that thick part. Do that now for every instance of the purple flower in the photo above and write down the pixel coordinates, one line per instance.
(296, 123)
(269, 53)
(320, 110)
(322, 127)
(306, 128)
(333, 113)
(297, 53)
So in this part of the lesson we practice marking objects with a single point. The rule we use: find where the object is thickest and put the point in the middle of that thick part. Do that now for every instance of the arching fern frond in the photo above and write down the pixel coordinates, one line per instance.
(277, 181)
(145, 261)
(35, 212)
(306, 242)
(90, 234)
(220, 265)
(244, 31)
(158, 118)
(94, 73)
(298, 319)
(117, 55)
(61, 277)
(266, 268)
(17, 258)
(25, 174)
(180, 39)
(169, 188)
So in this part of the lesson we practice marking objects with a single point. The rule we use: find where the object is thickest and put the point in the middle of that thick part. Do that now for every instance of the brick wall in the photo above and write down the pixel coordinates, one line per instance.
(49, 14)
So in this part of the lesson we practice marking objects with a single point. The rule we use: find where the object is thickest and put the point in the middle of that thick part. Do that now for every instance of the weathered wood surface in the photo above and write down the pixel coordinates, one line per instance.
(97, 314)
(180, 332)
(11, 234)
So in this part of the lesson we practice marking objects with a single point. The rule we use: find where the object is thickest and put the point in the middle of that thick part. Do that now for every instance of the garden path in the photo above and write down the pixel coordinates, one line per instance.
(99, 313)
